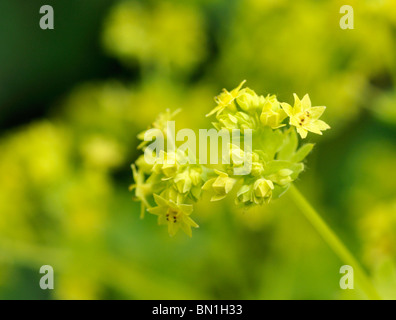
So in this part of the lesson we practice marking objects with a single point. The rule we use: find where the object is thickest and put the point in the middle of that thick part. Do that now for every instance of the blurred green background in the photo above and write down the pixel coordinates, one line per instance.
(73, 99)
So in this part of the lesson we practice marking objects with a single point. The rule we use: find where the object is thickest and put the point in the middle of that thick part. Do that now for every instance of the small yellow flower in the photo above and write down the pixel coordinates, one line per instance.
(238, 120)
(257, 169)
(175, 215)
(220, 185)
(248, 100)
(305, 117)
(195, 175)
(167, 164)
(237, 155)
(227, 121)
(282, 177)
(142, 189)
(172, 194)
(183, 181)
(226, 99)
(272, 114)
(263, 189)
(258, 192)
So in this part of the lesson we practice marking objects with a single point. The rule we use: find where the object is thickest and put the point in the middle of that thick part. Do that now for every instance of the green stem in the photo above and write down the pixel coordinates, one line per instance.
(334, 242)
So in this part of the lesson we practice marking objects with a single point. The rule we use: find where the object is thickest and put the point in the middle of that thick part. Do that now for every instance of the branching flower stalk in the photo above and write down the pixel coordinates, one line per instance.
(169, 186)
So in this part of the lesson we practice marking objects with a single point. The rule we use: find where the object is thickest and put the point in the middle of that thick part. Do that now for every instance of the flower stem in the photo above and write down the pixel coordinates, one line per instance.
(334, 242)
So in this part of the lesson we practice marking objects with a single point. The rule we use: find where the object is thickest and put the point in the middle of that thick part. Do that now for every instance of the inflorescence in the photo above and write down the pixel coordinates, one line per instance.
(169, 189)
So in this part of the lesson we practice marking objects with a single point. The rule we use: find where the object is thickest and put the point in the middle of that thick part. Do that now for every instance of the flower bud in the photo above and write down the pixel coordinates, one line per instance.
(228, 121)
(221, 185)
(257, 169)
(237, 155)
(195, 175)
(272, 114)
(263, 188)
(282, 177)
(249, 100)
(167, 164)
(183, 181)
(244, 195)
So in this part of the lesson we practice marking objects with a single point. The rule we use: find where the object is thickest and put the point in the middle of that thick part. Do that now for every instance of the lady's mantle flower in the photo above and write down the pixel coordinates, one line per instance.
(174, 215)
(239, 120)
(258, 192)
(142, 189)
(167, 164)
(187, 178)
(220, 186)
(304, 117)
(263, 188)
(248, 100)
(282, 177)
(270, 149)
(272, 114)
(226, 99)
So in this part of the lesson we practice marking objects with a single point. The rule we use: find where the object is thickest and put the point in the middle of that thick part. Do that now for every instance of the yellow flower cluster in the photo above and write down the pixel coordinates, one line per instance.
(170, 188)
(243, 108)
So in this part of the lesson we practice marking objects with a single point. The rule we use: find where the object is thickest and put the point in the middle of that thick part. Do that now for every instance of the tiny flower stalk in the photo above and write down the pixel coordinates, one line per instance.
(271, 133)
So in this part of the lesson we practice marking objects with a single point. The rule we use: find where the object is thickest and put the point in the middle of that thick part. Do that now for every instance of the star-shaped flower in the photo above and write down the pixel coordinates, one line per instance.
(305, 117)
(175, 215)
(226, 99)
(142, 189)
